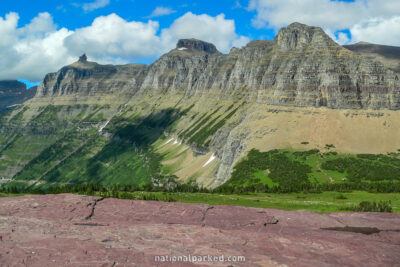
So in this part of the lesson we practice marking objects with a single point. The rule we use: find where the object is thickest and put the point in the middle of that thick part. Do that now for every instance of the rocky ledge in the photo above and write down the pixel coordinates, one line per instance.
(196, 45)
(66, 229)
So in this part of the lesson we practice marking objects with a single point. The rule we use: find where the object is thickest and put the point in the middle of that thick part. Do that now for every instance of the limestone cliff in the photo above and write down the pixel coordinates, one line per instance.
(301, 67)
(13, 93)
(201, 111)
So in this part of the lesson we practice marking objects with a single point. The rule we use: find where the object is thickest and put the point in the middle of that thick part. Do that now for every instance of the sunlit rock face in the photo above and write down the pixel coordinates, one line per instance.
(301, 67)
(269, 94)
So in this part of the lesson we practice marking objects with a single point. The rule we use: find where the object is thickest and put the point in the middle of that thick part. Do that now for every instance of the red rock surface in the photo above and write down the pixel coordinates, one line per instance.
(74, 230)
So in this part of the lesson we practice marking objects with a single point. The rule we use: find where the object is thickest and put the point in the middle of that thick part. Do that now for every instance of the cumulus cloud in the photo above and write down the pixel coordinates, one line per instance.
(380, 31)
(41, 47)
(33, 50)
(161, 11)
(111, 37)
(323, 13)
(95, 5)
(216, 30)
(364, 18)
(339, 37)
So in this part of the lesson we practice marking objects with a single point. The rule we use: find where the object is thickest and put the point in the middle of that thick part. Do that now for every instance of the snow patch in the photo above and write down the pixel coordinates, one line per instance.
(14, 105)
(169, 141)
(182, 48)
(103, 126)
(209, 160)
(175, 142)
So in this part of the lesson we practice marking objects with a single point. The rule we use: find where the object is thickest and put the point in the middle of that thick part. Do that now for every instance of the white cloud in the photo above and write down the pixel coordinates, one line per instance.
(95, 5)
(33, 50)
(240, 41)
(322, 13)
(161, 11)
(41, 47)
(111, 37)
(216, 30)
(340, 37)
(364, 18)
(379, 31)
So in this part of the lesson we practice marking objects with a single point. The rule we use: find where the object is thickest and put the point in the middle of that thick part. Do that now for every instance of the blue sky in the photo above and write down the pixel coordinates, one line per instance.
(68, 14)
(41, 36)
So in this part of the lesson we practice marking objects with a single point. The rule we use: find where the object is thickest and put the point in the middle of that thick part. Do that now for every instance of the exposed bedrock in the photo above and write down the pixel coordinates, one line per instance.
(52, 230)
(302, 66)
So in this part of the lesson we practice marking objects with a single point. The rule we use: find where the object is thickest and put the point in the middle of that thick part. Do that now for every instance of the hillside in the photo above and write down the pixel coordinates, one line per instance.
(192, 115)
(14, 93)
(388, 55)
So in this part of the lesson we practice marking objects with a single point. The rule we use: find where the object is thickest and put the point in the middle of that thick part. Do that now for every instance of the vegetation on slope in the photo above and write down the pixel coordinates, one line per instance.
(317, 202)
(85, 156)
(289, 171)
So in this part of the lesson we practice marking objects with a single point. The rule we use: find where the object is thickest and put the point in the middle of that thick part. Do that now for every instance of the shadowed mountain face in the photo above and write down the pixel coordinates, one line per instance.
(195, 113)
(14, 92)
(388, 55)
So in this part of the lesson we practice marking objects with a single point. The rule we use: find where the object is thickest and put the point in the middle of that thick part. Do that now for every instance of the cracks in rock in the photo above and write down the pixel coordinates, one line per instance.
(90, 224)
(93, 204)
(203, 218)
(271, 222)
(338, 220)
(361, 230)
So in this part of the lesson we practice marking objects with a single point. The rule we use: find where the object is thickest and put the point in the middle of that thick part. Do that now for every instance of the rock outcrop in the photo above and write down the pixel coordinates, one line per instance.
(14, 93)
(85, 78)
(302, 67)
(196, 45)
(266, 95)
(53, 230)
(388, 55)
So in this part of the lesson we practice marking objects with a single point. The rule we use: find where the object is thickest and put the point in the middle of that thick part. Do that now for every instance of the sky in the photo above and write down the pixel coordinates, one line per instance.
(38, 37)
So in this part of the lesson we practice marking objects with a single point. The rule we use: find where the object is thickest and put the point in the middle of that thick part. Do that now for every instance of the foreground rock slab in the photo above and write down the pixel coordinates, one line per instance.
(75, 230)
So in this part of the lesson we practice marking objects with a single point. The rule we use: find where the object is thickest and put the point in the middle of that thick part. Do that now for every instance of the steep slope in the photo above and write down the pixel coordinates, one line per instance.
(388, 55)
(194, 113)
(14, 92)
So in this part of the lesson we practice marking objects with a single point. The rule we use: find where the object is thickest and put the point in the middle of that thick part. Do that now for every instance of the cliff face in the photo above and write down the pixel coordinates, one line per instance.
(195, 112)
(301, 67)
(388, 55)
(14, 92)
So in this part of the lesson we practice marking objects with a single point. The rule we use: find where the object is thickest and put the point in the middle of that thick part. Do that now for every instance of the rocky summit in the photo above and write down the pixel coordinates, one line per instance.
(195, 113)
(301, 67)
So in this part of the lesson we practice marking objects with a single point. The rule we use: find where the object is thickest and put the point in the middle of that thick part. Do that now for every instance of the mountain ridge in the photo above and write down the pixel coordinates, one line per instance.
(13, 92)
(302, 66)
(193, 114)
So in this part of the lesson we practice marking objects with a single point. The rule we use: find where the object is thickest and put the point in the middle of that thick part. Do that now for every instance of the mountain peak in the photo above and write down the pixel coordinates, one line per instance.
(196, 45)
(83, 58)
(298, 35)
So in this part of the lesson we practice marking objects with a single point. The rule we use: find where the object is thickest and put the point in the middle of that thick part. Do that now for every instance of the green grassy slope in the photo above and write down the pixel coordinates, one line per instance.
(298, 169)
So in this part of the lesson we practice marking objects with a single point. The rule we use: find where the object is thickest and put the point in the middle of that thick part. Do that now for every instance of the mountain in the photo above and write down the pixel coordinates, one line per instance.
(195, 114)
(388, 55)
(301, 67)
(14, 93)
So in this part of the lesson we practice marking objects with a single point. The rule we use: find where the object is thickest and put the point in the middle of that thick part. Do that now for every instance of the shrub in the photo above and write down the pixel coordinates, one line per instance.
(366, 206)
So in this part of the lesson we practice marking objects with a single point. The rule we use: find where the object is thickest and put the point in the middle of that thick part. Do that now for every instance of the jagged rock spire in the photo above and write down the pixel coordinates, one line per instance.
(83, 58)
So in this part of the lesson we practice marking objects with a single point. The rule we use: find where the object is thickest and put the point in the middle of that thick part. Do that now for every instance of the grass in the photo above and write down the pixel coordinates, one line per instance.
(85, 156)
(295, 168)
(320, 203)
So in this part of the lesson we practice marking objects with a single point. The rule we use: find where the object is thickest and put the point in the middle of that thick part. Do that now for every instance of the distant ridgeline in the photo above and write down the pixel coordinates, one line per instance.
(14, 93)
(299, 111)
